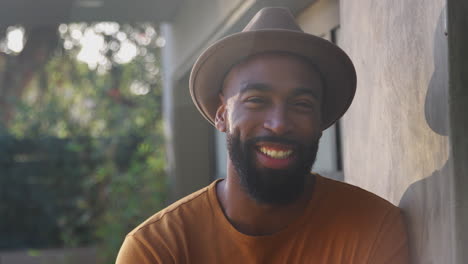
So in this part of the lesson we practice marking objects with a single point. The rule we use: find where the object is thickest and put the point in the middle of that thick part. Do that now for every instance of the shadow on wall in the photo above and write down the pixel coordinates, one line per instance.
(428, 204)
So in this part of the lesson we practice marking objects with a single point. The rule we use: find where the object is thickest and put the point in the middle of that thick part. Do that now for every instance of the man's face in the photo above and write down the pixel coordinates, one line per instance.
(271, 113)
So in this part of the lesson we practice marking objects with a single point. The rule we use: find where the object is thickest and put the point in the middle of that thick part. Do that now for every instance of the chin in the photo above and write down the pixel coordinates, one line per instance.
(270, 185)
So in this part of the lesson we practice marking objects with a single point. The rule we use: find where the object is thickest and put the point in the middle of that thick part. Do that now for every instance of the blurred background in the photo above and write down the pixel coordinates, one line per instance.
(81, 137)
(98, 130)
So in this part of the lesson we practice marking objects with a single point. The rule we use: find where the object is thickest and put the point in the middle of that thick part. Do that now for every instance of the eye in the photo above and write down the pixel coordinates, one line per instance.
(305, 104)
(255, 100)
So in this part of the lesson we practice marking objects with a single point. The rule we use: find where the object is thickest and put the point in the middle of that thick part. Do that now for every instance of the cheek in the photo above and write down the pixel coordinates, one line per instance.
(239, 118)
(308, 127)
(240, 123)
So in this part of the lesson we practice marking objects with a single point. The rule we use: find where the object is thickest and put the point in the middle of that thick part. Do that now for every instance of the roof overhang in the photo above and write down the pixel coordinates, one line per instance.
(44, 12)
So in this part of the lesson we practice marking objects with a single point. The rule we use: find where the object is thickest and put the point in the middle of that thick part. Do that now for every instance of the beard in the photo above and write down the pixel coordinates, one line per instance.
(266, 185)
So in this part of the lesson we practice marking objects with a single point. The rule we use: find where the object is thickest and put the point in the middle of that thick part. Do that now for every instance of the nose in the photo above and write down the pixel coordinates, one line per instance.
(277, 121)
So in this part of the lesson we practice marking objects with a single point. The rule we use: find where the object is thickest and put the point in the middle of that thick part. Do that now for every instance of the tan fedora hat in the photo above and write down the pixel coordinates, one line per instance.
(274, 29)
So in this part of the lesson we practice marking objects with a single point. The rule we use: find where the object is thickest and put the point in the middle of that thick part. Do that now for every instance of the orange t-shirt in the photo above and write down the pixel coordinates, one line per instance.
(342, 224)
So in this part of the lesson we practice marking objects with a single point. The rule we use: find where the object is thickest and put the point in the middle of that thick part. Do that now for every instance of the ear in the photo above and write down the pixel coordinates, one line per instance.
(220, 116)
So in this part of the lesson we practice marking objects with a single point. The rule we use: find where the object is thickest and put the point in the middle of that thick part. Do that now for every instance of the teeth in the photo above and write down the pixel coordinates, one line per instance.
(277, 154)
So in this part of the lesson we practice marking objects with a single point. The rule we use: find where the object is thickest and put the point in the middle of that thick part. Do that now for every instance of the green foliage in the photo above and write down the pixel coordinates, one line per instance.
(41, 191)
(135, 194)
(92, 141)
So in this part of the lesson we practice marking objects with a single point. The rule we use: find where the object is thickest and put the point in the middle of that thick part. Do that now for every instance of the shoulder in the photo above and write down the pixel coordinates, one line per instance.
(352, 196)
(163, 236)
(375, 222)
(349, 208)
(179, 211)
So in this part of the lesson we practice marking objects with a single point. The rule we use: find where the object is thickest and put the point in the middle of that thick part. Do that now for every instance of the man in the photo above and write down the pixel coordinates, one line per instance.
(272, 89)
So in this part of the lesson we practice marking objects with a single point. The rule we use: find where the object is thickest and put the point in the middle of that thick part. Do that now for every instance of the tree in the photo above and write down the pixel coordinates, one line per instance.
(92, 93)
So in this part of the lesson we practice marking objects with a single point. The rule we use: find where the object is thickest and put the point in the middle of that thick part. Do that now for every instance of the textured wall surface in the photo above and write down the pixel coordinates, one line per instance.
(395, 135)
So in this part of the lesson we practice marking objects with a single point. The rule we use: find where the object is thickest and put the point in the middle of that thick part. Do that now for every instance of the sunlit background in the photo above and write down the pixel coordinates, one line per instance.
(81, 141)
(91, 42)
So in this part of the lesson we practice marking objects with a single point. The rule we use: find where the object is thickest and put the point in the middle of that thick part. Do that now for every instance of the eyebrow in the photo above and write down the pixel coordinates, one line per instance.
(262, 87)
(259, 87)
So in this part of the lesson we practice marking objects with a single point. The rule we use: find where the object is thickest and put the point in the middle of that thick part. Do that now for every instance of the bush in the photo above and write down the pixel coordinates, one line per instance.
(82, 146)
(42, 194)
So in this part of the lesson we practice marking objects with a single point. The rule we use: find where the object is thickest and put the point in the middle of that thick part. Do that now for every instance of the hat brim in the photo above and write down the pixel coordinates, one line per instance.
(339, 75)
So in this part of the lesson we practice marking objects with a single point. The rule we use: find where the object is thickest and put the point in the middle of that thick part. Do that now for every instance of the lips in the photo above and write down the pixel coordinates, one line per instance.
(276, 153)
(275, 156)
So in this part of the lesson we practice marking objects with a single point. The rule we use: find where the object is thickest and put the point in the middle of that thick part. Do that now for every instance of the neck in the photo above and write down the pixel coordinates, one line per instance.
(253, 218)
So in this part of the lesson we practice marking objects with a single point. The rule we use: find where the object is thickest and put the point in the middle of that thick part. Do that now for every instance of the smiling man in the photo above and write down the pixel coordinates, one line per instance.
(272, 89)
(271, 113)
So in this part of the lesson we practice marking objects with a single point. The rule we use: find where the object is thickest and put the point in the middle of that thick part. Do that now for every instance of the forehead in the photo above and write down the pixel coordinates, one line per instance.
(281, 72)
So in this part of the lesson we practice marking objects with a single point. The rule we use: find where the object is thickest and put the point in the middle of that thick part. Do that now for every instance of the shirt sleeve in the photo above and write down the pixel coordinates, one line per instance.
(134, 251)
(391, 245)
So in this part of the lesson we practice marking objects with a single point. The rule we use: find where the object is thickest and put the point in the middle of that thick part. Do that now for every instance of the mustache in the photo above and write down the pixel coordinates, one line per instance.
(274, 139)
